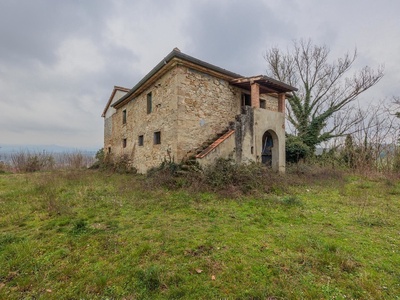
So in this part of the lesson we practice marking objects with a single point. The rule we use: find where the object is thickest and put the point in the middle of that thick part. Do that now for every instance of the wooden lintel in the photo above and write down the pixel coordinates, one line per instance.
(246, 79)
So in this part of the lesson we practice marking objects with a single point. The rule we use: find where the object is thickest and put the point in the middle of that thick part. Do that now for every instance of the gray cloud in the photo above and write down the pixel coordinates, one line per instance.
(59, 60)
(233, 35)
(32, 30)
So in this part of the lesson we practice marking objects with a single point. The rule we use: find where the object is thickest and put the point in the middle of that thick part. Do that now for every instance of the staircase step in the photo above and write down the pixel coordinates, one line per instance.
(212, 142)
(215, 144)
(185, 167)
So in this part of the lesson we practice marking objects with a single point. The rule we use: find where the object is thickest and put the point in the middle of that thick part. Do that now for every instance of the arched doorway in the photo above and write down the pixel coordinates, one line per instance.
(266, 153)
(269, 151)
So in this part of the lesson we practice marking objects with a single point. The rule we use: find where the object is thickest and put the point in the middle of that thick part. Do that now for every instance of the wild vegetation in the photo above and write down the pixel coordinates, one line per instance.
(27, 161)
(322, 108)
(236, 232)
(324, 113)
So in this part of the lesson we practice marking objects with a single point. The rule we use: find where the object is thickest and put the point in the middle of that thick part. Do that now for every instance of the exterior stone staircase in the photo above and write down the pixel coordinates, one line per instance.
(222, 137)
(238, 126)
(191, 163)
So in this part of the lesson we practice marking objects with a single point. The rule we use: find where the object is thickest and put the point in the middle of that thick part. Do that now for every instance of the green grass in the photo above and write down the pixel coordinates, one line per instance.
(92, 235)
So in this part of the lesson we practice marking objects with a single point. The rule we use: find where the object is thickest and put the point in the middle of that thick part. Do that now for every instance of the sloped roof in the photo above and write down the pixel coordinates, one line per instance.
(115, 89)
(234, 78)
(267, 84)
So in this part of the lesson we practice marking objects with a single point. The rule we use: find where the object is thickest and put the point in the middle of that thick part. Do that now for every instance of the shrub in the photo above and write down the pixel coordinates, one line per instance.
(172, 175)
(101, 160)
(396, 161)
(76, 160)
(221, 173)
(122, 165)
(226, 176)
(291, 200)
(32, 162)
(167, 167)
(296, 149)
(4, 168)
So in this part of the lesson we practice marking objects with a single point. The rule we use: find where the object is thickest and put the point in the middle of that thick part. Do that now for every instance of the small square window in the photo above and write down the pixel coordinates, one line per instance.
(246, 100)
(149, 103)
(124, 116)
(157, 137)
(263, 103)
(140, 141)
(124, 143)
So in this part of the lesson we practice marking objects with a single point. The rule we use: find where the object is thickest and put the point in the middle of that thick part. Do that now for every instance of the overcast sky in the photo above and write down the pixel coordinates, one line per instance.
(59, 60)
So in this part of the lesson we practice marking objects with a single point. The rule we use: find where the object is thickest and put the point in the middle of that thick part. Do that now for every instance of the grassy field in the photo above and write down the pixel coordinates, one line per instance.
(93, 235)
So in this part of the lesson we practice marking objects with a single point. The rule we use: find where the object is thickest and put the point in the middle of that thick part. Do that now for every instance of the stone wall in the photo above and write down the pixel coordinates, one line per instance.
(108, 119)
(265, 120)
(271, 102)
(244, 132)
(206, 107)
(163, 119)
(224, 150)
(107, 132)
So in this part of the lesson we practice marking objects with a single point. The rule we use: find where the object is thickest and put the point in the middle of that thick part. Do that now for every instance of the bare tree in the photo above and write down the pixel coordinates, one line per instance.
(371, 145)
(396, 102)
(316, 109)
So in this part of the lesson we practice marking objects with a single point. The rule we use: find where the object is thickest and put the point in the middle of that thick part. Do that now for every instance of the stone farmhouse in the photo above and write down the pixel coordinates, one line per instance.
(185, 108)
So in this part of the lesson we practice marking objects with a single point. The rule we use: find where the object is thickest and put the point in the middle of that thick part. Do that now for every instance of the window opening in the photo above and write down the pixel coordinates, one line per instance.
(149, 103)
(124, 143)
(140, 141)
(124, 116)
(157, 137)
(246, 100)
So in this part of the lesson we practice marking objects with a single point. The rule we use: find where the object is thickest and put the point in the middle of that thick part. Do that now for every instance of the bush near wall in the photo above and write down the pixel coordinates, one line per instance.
(296, 149)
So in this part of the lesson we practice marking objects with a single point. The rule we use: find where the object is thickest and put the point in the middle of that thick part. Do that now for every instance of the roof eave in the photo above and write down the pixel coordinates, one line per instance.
(115, 89)
(269, 83)
(174, 54)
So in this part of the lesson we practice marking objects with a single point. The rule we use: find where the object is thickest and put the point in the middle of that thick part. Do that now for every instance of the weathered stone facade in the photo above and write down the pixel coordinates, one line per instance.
(117, 93)
(192, 101)
(206, 106)
(162, 118)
